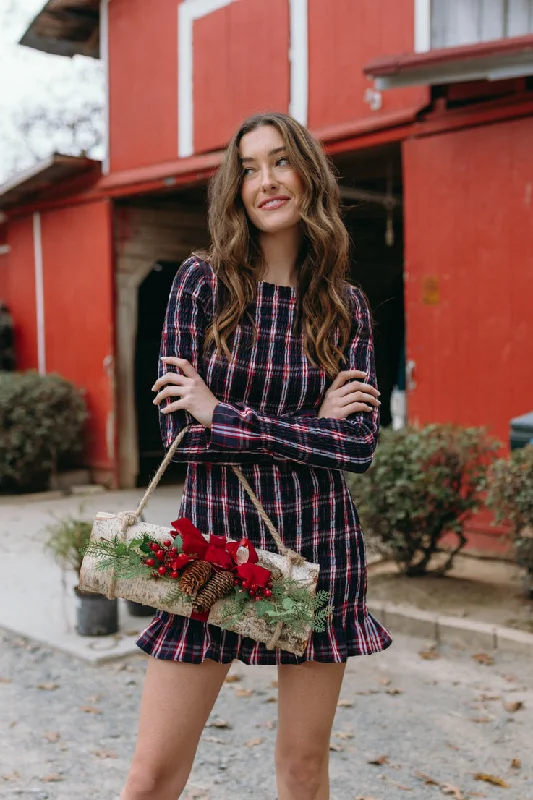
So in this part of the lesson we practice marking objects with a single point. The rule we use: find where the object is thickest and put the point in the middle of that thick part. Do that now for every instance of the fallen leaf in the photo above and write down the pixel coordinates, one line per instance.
(483, 658)
(476, 794)
(343, 735)
(218, 723)
(454, 791)
(274, 684)
(254, 742)
(483, 720)
(233, 679)
(95, 698)
(336, 748)
(380, 761)
(393, 691)
(5, 680)
(105, 754)
(52, 736)
(213, 740)
(516, 763)
(344, 704)
(452, 746)
(48, 687)
(244, 692)
(271, 700)
(399, 785)
(495, 781)
(485, 697)
(90, 710)
(54, 777)
(13, 724)
(270, 724)
(365, 797)
(513, 705)
(11, 776)
(428, 780)
(429, 655)
(385, 681)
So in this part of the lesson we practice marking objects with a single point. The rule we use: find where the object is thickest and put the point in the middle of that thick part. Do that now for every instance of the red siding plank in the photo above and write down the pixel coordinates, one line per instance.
(343, 37)
(238, 68)
(79, 310)
(468, 221)
(18, 290)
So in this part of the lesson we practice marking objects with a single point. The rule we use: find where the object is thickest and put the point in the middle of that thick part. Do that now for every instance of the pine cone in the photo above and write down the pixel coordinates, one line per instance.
(218, 586)
(194, 576)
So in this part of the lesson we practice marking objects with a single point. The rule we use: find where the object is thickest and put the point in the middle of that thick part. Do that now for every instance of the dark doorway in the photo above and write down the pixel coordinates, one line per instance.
(152, 303)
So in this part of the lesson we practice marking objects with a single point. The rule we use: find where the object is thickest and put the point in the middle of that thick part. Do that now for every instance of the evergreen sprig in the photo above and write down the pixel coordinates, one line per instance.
(290, 603)
(125, 558)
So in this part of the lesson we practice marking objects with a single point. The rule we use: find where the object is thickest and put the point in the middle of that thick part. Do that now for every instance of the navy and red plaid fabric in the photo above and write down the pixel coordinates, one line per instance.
(266, 421)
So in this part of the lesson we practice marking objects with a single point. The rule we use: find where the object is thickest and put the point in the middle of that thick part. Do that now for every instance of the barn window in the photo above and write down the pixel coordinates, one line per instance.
(460, 22)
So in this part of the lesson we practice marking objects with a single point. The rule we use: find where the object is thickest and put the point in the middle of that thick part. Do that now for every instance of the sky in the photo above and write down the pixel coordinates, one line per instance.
(29, 79)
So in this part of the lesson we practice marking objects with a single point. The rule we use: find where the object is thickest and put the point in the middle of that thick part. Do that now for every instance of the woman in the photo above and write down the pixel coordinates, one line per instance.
(267, 352)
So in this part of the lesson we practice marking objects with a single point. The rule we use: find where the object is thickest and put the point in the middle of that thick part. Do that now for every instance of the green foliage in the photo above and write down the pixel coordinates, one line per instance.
(124, 557)
(67, 541)
(41, 429)
(290, 603)
(423, 484)
(510, 497)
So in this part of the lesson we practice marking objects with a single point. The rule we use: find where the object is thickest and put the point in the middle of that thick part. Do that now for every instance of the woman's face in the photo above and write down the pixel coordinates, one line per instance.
(271, 188)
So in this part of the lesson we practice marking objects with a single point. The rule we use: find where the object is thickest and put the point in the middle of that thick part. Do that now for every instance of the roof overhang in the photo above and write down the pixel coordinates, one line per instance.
(26, 186)
(66, 28)
(492, 61)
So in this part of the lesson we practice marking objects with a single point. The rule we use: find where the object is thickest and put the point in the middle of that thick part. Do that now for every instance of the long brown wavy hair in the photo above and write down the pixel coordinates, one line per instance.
(323, 314)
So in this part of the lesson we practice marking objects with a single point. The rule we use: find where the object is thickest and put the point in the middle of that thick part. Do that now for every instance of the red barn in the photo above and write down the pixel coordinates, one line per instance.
(426, 109)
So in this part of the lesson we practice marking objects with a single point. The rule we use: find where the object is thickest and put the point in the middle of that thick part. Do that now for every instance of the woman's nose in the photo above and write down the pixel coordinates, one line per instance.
(268, 180)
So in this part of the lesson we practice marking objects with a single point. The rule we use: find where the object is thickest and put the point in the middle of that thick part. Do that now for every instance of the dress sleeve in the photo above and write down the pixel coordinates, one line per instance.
(186, 318)
(346, 444)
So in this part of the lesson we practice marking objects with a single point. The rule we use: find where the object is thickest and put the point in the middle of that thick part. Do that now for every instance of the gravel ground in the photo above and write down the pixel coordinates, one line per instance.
(408, 725)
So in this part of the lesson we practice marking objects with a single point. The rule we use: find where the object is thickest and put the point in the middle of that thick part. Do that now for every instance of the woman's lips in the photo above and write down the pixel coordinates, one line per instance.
(273, 203)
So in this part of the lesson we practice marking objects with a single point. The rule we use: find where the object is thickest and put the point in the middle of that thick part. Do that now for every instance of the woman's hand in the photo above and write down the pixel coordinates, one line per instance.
(343, 398)
(194, 395)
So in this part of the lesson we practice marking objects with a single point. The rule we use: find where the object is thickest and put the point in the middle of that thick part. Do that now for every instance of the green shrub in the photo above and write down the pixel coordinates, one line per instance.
(41, 429)
(510, 497)
(422, 485)
(66, 541)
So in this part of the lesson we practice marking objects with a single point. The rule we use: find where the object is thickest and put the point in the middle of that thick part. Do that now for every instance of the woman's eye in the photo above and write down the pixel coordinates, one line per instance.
(282, 162)
(247, 171)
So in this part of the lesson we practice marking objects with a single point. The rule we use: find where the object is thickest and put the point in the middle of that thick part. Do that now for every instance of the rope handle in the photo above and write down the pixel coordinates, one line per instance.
(131, 517)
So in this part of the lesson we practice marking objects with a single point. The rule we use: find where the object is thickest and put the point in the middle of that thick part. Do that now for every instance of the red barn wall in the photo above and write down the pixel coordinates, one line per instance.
(469, 274)
(143, 82)
(241, 65)
(79, 313)
(17, 289)
(344, 36)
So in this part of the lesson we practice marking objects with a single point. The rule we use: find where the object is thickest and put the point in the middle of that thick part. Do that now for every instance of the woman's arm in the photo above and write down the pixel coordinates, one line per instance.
(183, 335)
(345, 444)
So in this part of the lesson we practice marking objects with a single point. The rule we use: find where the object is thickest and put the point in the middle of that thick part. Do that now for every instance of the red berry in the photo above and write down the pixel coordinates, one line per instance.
(162, 570)
(268, 593)
(153, 546)
(174, 574)
(160, 554)
(167, 543)
(150, 562)
(173, 552)
(245, 584)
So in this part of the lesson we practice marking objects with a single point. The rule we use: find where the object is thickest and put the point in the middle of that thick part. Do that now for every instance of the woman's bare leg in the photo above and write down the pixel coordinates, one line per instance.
(176, 702)
(307, 701)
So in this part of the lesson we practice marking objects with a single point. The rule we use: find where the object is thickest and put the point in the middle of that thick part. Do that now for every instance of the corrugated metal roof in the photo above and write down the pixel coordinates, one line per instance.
(66, 28)
(25, 186)
(495, 60)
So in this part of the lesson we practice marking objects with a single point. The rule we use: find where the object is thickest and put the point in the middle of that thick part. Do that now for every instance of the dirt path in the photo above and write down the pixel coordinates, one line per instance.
(67, 729)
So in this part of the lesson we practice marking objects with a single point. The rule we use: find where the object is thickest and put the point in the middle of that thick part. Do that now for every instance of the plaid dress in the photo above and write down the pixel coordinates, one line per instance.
(266, 422)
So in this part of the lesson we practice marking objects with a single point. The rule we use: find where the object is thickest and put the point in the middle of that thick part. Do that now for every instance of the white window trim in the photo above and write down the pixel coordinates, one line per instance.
(422, 33)
(39, 293)
(299, 59)
(191, 10)
(104, 55)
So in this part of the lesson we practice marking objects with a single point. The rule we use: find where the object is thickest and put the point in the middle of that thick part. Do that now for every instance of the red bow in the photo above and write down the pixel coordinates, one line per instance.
(193, 543)
(254, 574)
